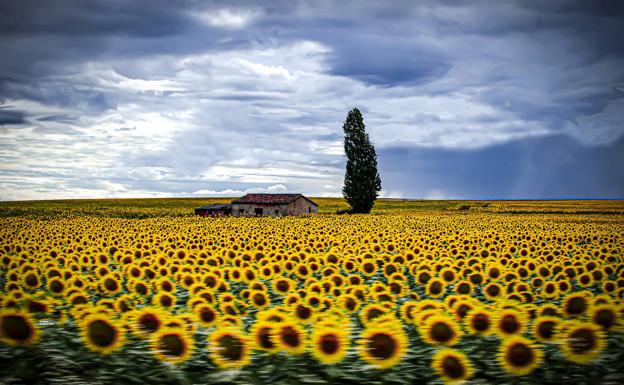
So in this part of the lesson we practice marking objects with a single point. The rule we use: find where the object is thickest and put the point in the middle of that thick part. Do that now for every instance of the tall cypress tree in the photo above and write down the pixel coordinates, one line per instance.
(362, 182)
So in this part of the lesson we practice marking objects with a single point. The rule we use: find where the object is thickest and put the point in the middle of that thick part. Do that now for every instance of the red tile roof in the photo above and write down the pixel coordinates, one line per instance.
(276, 199)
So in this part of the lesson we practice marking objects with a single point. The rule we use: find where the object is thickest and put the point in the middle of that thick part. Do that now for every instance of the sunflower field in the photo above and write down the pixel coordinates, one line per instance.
(402, 297)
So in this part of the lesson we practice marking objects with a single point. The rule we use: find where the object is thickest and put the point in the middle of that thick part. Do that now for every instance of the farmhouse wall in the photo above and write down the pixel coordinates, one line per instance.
(301, 206)
(267, 210)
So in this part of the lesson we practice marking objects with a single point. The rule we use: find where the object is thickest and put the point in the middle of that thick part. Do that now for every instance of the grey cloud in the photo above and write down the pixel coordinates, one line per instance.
(547, 167)
(11, 117)
(462, 74)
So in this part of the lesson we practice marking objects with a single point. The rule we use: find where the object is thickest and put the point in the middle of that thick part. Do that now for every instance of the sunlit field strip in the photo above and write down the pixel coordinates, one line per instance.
(404, 296)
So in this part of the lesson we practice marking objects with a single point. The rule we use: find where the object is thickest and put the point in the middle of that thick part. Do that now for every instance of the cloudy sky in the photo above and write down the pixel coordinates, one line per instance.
(462, 99)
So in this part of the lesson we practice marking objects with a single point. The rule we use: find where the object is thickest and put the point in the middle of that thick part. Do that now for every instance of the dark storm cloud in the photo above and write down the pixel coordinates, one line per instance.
(8, 116)
(169, 96)
(564, 168)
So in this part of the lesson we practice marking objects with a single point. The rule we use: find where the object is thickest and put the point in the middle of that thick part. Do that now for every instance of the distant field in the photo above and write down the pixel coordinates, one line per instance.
(163, 207)
(141, 291)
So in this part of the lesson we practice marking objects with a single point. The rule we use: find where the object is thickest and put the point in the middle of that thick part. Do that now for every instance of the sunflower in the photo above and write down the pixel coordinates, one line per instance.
(435, 288)
(464, 288)
(510, 322)
(582, 342)
(290, 337)
(383, 347)
(229, 348)
(124, 303)
(140, 288)
(576, 304)
(276, 314)
(56, 286)
(479, 321)
(109, 284)
(493, 291)
(31, 280)
(17, 328)
(206, 314)
(171, 345)
(100, 334)
(440, 329)
(259, 299)
(262, 332)
(348, 303)
(329, 344)
(585, 280)
(605, 315)
(452, 366)
(165, 300)
(549, 309)
(519, 356)
(283, 285)
(147, 320)
(163, 284)
(303, 313)
(406, 311)
(448, 275)
(545, 328)
(37, 305)
(371, 311)
(368, 268)
(78, 298)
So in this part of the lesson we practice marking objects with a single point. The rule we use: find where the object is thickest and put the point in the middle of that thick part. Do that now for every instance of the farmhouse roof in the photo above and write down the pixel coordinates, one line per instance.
(215, 206)
(272, 199)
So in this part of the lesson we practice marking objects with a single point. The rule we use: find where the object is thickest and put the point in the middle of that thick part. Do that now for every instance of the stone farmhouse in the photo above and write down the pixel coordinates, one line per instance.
(262, 205)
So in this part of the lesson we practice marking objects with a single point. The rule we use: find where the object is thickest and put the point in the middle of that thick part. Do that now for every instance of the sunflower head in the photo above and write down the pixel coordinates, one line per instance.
(290, 337)
(171, 345)
(18, 328)
(261, 332)
(147, 320)
(479, 321)
(383, 347)
(582, 342)
(206, 314)
(545, 328)
(519, 356)
(229, 348)
(452, 366)
(606, 316)
(329, 344)
(439, 329)
(576, 304)
(100, 334)
(435, 288)
(510, 322)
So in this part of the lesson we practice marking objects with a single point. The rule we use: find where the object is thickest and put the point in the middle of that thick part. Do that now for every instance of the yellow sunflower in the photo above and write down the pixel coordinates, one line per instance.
(439, 329)
(261, 331)
(101, 334)
(206, 314)
(605, 315)
(576, 304)
(290, 337)
(329, 344)
(147, 321)
(383, 347)
(479, 321)
(18, 328)
(435, 288)
(452, 366)
(582, 342)
(519, 356)
(545, 328)
(510, 322)
(228, 348)
(171, 344)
